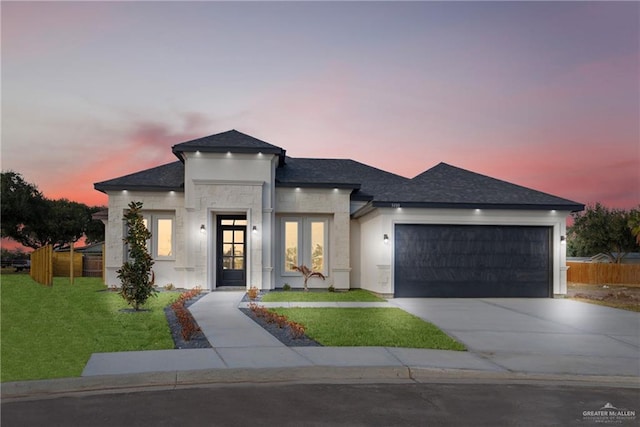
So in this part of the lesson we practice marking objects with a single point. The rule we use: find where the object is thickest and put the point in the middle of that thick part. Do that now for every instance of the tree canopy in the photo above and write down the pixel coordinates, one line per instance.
(599, 229)
(34, 221)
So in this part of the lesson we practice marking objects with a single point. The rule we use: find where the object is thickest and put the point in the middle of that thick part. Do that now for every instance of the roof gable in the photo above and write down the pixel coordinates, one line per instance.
(230, 141)
(449, 186)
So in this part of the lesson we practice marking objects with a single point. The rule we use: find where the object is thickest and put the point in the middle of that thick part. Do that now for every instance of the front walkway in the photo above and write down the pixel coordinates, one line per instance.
(239, 342)
(547, 336)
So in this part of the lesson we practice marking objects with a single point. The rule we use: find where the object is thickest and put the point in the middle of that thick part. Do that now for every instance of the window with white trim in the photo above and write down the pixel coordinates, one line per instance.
(305, 242)
(162, 228)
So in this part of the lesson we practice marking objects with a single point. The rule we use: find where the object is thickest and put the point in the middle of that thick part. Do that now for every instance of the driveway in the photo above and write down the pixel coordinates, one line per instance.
(538, 335)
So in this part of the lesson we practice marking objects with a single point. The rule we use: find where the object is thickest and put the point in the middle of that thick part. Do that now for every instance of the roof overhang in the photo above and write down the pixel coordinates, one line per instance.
(339, 185)
(151, 188)
(179, 149)
(505, 206)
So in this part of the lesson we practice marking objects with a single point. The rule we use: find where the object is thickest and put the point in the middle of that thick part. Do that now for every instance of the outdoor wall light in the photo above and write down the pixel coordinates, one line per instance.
(563, 239)
(254, 229)
(203, 229)
(385, 239)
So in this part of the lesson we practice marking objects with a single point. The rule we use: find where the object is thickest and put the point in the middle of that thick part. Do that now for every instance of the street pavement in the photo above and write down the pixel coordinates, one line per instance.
(379, 404)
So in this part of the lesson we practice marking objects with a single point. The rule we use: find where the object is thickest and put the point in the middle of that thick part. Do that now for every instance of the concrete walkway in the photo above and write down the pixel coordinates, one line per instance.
(538, 335)
(238, 342)
(545, 336)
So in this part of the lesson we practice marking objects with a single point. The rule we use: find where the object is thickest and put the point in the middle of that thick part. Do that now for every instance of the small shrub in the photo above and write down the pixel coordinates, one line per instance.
(331, 288)
(188, 324)
(169, 287)
(286, 287)
(296, 329)
(253, 293)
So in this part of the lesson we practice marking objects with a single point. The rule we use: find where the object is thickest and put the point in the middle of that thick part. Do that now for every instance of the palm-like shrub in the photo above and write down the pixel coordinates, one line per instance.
(307, 273)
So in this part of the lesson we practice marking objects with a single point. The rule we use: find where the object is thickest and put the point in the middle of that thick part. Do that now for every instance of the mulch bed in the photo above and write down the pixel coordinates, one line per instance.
(199, 340)
(282, 334)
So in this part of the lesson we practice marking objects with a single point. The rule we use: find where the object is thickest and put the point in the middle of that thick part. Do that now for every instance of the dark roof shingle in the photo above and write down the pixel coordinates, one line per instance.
(449, 186)
(346, 173)
(233, 141)
(443, 186)
(169, 177)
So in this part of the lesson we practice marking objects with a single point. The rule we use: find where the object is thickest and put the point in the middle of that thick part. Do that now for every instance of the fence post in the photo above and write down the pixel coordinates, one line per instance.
(71, 263)
(104, 269)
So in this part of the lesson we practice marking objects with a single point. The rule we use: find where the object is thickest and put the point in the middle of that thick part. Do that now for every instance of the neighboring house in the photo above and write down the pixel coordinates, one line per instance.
(630, 258)
(236, 211)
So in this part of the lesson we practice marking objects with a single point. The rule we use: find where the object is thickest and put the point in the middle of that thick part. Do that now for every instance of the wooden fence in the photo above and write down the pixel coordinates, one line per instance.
(61, 261)
(92, 266)
(603, 273)
(42, 265)
(47, 264)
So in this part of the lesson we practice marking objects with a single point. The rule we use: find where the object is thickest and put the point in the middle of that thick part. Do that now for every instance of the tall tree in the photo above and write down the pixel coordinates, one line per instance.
(136, 275)
(95, 229)
(602, 230)
(34, 221)
(22, 203)
(634, 223)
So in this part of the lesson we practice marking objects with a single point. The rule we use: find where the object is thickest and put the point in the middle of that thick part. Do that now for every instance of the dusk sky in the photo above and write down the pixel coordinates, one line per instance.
(541, 94)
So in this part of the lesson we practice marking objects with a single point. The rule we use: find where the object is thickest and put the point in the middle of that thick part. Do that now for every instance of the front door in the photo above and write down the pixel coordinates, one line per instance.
(231, 250)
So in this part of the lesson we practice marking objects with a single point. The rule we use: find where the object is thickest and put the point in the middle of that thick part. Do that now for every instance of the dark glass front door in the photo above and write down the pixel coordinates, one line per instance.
(231, 250)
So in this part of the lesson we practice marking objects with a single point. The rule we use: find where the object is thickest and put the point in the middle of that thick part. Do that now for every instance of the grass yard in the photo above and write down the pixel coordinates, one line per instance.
(52, 332)
(353, 295)
(384, 327)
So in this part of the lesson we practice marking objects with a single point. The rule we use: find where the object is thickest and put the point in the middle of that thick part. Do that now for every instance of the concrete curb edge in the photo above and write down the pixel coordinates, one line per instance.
(44, 389)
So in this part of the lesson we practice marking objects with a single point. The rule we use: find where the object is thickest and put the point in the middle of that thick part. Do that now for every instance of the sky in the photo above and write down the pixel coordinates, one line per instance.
(541, 94)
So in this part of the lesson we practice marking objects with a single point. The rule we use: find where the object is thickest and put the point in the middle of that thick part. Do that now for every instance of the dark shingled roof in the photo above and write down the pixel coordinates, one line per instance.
(448, 186)
(337, 173)
(233, 141)
(442, 186)
(169, 177)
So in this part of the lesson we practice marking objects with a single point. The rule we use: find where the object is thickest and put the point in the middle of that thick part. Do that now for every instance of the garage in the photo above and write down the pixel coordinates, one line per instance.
(458, 261)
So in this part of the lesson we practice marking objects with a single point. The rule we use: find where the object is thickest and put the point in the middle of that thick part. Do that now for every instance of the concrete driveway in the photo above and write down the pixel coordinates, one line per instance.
(538, 335)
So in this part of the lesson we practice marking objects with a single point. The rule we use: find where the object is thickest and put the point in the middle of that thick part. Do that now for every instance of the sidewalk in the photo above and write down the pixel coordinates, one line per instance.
(243, 352)
(238, 342)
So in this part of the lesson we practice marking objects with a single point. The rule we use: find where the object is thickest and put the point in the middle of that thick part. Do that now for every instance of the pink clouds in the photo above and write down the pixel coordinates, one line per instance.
(146, 144)
(541, 94)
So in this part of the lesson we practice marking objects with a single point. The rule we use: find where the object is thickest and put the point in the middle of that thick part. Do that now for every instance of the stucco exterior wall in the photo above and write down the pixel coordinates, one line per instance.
(332, 204)
(166, 271)
(377, 258)
(224, 184)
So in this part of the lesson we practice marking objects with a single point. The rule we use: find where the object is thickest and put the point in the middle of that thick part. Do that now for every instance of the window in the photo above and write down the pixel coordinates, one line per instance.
(161, 244)
(163, 237)
(304, 243)
(291, 244)
(317, 247)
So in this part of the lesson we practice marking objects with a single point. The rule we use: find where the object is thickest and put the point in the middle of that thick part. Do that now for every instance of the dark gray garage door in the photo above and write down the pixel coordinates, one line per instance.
(472, 261)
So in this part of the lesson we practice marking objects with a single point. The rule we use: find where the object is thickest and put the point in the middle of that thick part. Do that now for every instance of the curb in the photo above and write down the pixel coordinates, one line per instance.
(48, 389)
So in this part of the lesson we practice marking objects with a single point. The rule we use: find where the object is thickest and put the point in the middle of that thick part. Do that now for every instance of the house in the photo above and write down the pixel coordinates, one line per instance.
(629, 258)
(235, 211)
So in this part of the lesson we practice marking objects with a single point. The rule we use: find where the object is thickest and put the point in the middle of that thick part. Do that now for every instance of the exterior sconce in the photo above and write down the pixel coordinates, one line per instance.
(385, 239)
(203, 230)
(563, 240)
(254, 229)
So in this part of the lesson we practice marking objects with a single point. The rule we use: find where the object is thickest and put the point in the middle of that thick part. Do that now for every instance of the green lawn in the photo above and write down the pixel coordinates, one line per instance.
(51, 332)
(384, 327)
(359, 295)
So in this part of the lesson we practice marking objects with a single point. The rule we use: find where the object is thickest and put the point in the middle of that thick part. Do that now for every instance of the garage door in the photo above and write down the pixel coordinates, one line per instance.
(472, 261)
